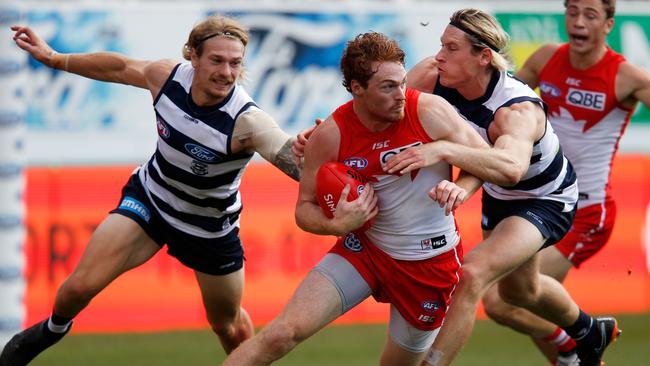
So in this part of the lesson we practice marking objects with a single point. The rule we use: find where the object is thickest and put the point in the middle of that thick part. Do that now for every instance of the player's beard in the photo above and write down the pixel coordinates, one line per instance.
(397, 112)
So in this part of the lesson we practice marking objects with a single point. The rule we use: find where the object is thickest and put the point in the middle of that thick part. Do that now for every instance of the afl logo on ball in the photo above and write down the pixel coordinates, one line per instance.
(352, 243)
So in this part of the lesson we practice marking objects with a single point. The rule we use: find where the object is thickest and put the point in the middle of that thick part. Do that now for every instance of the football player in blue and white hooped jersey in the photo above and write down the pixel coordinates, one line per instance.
(187, 195)
(530, 190)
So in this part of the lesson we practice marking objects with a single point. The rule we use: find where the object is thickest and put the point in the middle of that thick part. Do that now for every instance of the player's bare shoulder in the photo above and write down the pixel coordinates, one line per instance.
(438, 117)
(529, 73)
(632, 85)
(157, 72)
(324, 141)
(541, 56)
(424, 75)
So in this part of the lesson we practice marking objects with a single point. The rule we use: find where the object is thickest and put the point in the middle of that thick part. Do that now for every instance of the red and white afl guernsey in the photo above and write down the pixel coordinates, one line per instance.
(587, 118)
(409, 225)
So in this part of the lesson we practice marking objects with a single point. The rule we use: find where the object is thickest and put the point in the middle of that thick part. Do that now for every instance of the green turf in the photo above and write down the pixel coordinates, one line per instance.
(337, 345)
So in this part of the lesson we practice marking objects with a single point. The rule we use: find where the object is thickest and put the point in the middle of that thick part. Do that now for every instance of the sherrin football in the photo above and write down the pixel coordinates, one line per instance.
(331, 178)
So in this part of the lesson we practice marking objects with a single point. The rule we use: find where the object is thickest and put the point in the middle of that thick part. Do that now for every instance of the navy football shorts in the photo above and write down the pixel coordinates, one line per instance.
(546, 215)
(219, 256)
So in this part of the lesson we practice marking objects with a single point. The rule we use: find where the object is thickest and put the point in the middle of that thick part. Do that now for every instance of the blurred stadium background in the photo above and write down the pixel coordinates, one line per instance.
(68, 144)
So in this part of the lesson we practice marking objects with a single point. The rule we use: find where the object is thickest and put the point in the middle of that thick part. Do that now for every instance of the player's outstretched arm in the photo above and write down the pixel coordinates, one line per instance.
(103, 66)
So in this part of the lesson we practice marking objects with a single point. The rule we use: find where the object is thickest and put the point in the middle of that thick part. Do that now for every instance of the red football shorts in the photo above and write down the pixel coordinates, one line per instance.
(591, 229)
(420, 290)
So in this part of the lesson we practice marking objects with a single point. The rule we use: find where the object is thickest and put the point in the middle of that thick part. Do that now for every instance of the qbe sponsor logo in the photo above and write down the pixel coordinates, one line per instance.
(385, 155)
(586, 99)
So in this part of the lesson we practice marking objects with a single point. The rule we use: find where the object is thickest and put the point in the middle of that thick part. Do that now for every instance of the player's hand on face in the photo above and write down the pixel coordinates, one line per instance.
(298, 145)
(413, 158)
(448, 195)
(352, 215)
(29, 41)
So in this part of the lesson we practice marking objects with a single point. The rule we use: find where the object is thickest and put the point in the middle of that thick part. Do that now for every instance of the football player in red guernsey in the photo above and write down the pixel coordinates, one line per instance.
(591, 92)
(411, 255)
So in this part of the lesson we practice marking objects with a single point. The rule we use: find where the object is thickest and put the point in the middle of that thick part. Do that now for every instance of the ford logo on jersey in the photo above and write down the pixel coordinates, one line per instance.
(201, 153)
(356, 163)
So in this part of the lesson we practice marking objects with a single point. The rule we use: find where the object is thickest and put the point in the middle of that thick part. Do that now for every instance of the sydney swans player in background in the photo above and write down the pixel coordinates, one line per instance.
(530, 194)
(187, 195)
(591, 92)
(410, 256)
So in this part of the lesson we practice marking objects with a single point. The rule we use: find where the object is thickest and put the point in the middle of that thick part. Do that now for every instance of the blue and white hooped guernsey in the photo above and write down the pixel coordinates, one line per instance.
(550, 176)
(193, 177)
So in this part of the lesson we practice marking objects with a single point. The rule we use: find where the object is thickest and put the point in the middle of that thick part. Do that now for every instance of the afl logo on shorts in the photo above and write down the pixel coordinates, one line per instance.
(352, 243)
(431, 306)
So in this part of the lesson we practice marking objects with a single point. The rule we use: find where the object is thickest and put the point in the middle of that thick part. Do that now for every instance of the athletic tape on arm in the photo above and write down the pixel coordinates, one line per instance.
(266, 136)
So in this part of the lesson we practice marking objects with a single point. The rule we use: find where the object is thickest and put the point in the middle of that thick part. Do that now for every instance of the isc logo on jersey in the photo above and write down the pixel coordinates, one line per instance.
(385, 155)
(586, 99)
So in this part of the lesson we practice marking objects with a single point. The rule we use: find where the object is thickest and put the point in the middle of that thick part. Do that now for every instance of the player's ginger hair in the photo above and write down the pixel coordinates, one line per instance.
(362, 51)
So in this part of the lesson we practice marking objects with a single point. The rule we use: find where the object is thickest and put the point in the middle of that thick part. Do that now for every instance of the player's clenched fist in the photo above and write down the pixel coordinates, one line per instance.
(448, 195)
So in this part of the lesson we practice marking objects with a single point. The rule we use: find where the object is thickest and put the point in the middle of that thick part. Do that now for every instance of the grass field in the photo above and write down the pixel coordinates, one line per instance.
(337, 345)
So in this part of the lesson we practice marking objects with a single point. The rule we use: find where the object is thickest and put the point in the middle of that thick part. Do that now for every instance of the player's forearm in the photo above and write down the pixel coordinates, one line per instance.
(491, 165)
(102, 66)
(285, 161)
(468, 182)
(310, 218)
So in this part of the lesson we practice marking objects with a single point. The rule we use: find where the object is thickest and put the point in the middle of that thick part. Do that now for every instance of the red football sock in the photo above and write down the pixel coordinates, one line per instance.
(561, 340)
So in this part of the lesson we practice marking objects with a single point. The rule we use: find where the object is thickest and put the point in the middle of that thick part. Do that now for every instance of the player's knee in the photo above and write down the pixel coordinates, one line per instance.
(472, 279)
(496, 309)
(224, 327)
(522, 297)
(235, 327)
(280, 337)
